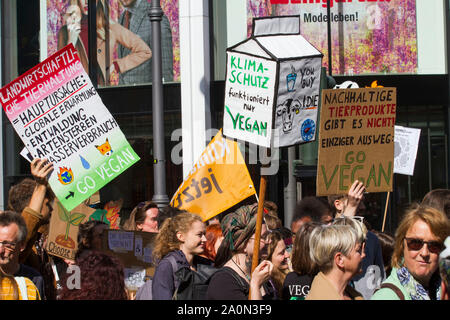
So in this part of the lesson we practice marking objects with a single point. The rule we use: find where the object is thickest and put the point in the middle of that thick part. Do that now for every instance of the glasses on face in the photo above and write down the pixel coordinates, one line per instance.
(8, 245)
(417, 244)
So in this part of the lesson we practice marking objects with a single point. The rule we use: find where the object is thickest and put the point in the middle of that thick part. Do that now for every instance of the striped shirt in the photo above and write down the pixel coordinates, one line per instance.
(7, 290)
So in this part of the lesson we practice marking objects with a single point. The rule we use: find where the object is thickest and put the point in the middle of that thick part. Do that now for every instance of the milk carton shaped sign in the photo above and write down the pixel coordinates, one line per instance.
(272, 85)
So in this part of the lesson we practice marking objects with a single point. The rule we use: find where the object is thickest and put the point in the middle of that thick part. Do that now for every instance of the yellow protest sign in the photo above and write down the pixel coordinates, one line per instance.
(217, 181)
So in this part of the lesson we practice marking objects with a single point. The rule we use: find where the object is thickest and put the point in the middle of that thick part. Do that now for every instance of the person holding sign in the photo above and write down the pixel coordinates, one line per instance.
(33, 198)
(234, 258)
(348, 205)
(179, 244)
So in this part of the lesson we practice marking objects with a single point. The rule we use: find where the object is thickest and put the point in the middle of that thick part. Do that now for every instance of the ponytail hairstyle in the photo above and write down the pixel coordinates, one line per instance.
(166, 240)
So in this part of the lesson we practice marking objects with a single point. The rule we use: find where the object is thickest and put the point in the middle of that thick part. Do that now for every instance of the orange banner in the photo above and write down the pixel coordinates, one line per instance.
(217, 181)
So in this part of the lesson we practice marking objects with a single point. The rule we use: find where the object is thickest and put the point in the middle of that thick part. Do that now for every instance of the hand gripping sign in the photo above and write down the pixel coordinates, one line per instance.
(59, 115)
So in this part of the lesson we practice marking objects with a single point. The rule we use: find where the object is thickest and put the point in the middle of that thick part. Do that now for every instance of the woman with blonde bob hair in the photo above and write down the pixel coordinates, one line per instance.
(415, 262)
(337, 250)
(178, 245)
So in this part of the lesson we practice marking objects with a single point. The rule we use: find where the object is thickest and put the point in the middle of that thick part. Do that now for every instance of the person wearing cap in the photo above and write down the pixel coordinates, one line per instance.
(234, 280)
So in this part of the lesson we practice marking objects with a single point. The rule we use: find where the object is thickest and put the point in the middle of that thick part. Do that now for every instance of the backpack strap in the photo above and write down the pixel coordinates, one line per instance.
(175, 268)
(22, 287)
(394, 288)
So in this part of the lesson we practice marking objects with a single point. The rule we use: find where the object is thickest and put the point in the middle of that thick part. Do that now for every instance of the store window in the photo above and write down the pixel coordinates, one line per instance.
(124, 36)
(367, 37)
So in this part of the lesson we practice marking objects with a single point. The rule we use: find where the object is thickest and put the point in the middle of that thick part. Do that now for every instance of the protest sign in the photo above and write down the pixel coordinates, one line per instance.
(134, 250)
(356, 139)
(59, 115)
(63, 231)
(218, 180)
(406, 142)
(272, 85)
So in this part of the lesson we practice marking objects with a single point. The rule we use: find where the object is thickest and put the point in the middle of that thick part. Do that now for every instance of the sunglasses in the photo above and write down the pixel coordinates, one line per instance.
(417, 244)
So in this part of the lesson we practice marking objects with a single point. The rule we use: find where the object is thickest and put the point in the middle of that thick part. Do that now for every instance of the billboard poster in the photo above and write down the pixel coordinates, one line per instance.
(368, 36)
(126, 27)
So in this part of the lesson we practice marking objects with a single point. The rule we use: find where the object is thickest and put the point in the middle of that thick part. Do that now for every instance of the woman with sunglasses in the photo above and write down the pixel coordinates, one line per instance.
(418, 241)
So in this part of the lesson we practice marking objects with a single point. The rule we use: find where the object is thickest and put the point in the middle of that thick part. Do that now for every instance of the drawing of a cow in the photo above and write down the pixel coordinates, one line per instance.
(286, 110)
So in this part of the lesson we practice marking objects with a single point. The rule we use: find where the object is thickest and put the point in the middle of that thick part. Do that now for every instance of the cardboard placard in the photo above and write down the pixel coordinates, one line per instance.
(272, 85)
(63, 233)
(134, 250)
(356, 139)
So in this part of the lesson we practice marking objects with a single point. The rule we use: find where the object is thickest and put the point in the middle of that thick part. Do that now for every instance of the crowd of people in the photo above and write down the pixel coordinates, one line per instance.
(330, 252)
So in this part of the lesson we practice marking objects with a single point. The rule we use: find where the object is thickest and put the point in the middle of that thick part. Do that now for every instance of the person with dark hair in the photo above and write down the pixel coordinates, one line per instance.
(438, 199)
(310, 209)
(144, 217)
(90, 237)
(167, 212)
(419, 239)
(13, 233)
(298, 282)
(387, 249)
(101, 278)
(33, 198)
(234, 258)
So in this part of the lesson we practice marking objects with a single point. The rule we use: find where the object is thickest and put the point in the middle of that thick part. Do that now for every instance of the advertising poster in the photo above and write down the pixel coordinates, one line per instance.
(368, 36)
(67, 22)
(63, 231)
(356, 139)
(59, 115)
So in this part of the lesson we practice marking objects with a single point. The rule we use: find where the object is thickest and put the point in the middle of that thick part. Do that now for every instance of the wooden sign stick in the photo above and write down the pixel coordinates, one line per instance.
(385, 210)
(259, 219)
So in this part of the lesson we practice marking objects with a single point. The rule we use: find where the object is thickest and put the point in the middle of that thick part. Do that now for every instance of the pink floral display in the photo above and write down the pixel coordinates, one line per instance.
(381, 37)
(57, 8)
